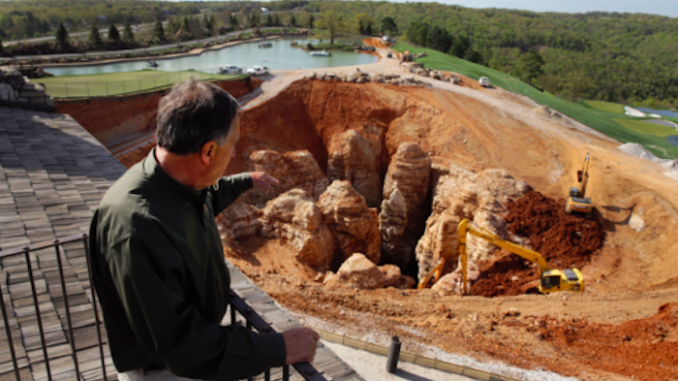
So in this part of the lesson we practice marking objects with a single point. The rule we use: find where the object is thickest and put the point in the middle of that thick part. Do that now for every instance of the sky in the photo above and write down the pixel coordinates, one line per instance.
(657, 7)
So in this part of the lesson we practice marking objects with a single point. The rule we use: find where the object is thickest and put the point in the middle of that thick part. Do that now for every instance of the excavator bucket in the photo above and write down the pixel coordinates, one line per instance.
(580, 175)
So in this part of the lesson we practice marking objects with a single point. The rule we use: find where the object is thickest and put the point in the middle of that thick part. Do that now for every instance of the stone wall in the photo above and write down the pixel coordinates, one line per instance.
(14, 87)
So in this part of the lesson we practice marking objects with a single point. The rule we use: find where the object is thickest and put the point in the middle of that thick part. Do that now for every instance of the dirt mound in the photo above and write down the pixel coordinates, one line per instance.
(565, 241)
(644, 349)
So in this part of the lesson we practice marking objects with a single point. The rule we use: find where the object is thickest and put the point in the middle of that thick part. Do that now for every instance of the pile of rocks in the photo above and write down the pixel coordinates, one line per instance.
(17, 88)
(361, 77)
(419, 69)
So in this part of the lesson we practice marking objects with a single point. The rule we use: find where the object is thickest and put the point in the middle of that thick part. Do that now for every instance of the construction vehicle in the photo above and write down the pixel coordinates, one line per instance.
(577, 200)
(551, 280)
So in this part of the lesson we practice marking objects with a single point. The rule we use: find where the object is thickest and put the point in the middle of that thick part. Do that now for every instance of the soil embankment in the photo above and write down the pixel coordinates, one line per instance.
(118, 121)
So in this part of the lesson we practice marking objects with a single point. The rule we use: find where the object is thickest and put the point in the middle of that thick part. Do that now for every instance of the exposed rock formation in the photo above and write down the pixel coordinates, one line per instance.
(460, 194)
(238, 220)
(358, 272)
(241, 219)
(452, 283)
(392, 220)
(353, 225)
(393, 277)
(295, 219)
(294, 170)
(357, 160)
(409, 174)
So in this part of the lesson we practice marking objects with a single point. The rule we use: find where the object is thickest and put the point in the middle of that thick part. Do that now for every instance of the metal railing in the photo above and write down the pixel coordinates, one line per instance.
(237, 306)
(131, 86)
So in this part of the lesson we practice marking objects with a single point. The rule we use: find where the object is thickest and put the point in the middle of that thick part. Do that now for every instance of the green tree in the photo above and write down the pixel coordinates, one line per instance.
(388, 25)
(158, 31)
(310, 21)
(368, 29)
(61, 35)
(254, 20)
(185, 26)
(269, 20)
(473, 56)
(439, 39)
(235, 24)
(276, 20)
(127, 34)
(331, 22)
(531, 65)
(94, 36)
(461, 46)
(293, 21)
(1, 45)
(113, 33)
(578, 83)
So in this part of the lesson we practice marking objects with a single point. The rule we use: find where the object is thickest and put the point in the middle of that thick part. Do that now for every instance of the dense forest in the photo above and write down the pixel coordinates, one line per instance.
(617, 57)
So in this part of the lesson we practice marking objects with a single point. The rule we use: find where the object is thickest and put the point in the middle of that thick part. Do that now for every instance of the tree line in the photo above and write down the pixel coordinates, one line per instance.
(616, 57)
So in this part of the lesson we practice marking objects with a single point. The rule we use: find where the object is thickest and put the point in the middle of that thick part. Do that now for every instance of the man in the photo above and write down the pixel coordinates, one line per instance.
(157, 259)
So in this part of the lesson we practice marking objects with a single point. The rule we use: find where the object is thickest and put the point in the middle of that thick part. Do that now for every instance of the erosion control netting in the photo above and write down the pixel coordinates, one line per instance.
(565, 241)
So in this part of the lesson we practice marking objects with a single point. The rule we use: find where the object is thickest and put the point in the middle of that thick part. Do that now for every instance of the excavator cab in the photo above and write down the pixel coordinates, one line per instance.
(561, 280)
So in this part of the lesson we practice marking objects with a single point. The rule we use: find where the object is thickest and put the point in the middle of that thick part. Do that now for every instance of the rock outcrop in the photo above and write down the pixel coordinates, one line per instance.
(460, 194)
(294, 218)
(15, 87)
(451, 283)
(354, 226)
(392, 221)
(357, 272)
(357, 160)
(409, 174)
(393, 277)
(294, 170)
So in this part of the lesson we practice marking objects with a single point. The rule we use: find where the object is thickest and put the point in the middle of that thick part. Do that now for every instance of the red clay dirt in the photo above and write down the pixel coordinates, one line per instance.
(110, 119)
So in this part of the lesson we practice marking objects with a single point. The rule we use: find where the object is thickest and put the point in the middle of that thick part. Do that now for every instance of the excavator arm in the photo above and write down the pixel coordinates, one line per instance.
(552, 280)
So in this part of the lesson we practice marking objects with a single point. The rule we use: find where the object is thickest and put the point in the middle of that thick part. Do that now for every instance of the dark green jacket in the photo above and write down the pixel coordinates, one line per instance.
(159, 271)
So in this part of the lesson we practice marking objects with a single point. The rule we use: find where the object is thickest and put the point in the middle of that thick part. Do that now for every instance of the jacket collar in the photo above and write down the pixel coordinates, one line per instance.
(154, 171)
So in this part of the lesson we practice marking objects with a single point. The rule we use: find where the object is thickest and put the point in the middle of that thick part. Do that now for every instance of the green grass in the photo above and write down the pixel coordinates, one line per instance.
(614, 108)
(99, 85)
(647, 128)
(600, 120)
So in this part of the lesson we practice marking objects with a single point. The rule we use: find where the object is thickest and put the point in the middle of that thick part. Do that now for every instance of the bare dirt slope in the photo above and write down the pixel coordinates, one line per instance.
(589, 335)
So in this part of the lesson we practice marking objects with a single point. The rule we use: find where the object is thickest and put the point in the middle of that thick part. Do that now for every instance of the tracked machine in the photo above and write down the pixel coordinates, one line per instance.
(550, 280)
(577, 202)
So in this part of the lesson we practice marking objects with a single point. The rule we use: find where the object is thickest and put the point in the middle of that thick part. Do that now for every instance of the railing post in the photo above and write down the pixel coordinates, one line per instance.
(37, 313)
(9, 335)
(94, 305)
(68, 311)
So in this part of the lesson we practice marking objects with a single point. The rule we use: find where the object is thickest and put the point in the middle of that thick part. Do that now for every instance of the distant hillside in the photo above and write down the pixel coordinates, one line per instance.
(616, 57)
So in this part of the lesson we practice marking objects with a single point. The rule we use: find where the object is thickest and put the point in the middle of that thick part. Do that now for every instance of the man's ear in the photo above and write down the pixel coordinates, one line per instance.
(207, 153)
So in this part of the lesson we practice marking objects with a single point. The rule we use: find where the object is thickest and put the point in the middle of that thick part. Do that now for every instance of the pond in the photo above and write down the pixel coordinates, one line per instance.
(280, 56)
(658, 112)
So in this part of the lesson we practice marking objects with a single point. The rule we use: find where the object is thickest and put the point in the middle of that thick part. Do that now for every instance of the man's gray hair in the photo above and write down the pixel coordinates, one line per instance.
(192, 114)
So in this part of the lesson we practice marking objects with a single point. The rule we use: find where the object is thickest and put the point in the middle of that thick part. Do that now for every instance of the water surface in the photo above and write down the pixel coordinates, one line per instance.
(280, 56)
(658, 112)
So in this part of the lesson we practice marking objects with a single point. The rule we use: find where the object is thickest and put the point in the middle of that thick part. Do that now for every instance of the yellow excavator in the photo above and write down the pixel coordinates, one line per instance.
(551, 280)
(577, 200)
